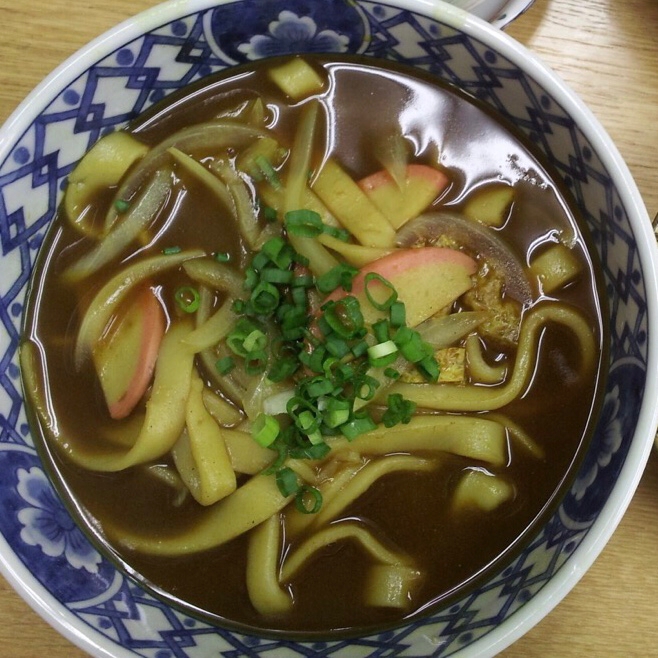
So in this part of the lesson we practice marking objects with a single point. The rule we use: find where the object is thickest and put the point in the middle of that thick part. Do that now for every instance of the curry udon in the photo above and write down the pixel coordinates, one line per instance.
(314, 345)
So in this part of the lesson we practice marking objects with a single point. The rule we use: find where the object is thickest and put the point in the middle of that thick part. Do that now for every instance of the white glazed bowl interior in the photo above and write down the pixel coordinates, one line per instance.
(49, 561)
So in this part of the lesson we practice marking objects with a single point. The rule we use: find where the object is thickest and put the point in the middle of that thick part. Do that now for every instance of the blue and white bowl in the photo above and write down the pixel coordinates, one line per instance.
(44, 554)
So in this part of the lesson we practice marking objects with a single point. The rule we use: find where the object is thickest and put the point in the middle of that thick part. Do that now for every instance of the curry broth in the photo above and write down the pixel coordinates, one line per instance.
(412, 510)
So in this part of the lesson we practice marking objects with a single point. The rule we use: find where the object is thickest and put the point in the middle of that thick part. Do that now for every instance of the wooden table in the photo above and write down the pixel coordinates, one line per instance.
(607, 51)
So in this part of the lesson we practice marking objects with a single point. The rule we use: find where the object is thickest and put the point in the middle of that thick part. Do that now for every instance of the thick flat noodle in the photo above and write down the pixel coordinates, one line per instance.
(200, 454)
(247, 456)
(214, 329)
(165, 410)
(329, 488)
(448, 397)
(467, 436)
(481, 490)
(265, 592)
(335, 532)
(247, 507)
(391, 585)
(364, 479)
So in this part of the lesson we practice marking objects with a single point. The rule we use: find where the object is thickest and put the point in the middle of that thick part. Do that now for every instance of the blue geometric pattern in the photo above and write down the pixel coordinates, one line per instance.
(121, 85)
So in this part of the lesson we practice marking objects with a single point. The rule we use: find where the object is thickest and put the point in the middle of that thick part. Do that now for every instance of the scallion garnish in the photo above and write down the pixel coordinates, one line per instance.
(170, 251)
(382, 354)
(188, 299)
(287, 481)
(371, 288)
(225, 365)
(308, 500)
(269, 172)
(283, 369)
(398, 314)
(264, 298)
(398, 410)
(326, 355)
(265, 430)
(357, 426)
(121, 205)
(337, 277)
(303, 223)
(269, 214)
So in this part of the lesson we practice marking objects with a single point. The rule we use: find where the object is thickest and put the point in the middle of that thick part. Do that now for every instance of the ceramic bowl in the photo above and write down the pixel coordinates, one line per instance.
(47, 558)
(498, 12)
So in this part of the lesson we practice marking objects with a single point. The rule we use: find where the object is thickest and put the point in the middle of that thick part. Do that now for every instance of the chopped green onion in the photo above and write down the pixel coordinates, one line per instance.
(398, 410)
(316, 451)
(255, 362)
(366, 387)
(382, 354)
(381, 329)
(391, 373)
(238, 306)
(287, 482)
(339, 233)
(338, 276)
(337, 346)
(235, 340)
(268, 171)
(188, 299)
(269, 214)
(255, 341)
(299, 297)
(360, 349)
(343, 373)
(265, 430)
(357, 426)
(337, 412)
(318, 386)
(411, 345)
(225, 365)
(398, 314)
(391, 299)
(283, 369)
(429, 368)
(308, 500)
(282, 454)
(344, 316)
(264, 298)
(250, 278)
(222, 257)
(121, 205)
(303, 280)
(259, 261)
(303, 223)
(278, 252)
(170, 251)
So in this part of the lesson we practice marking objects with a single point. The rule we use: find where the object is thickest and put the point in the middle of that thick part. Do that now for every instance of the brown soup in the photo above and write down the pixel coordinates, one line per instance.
(371, 117)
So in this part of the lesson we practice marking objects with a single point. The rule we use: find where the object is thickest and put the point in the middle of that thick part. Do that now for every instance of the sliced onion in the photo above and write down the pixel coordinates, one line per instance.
(428, 228)
(211, 137)
(442, 332)
(140, 215)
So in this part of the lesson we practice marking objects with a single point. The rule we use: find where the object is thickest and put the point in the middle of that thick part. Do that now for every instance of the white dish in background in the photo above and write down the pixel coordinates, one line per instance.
(499, 13)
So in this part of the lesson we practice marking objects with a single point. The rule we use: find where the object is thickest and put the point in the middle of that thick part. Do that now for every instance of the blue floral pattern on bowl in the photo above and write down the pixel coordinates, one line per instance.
(170, 55)
(47, 524)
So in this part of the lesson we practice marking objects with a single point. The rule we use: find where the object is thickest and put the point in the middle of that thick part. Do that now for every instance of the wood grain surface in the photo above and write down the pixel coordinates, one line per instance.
(607, 52)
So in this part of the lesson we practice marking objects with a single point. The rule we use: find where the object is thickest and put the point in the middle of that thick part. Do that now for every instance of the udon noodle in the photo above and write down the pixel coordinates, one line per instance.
(305, 323)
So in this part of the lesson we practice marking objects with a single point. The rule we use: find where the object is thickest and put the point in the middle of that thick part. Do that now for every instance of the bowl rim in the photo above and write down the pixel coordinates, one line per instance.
(563, 581)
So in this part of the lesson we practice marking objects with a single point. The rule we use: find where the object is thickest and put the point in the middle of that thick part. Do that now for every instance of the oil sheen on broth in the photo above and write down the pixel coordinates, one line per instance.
(369, 118)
